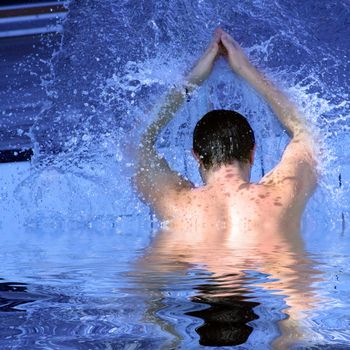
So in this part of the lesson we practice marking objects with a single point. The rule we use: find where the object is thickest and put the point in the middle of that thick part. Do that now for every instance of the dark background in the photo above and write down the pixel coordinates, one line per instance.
(24, 58)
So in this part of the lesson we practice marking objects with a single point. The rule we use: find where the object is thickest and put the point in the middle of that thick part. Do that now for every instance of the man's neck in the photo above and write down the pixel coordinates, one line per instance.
(237, 172)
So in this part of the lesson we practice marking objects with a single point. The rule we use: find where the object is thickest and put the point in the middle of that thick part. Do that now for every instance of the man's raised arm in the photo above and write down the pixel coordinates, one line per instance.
(299, 161)
(154, 178)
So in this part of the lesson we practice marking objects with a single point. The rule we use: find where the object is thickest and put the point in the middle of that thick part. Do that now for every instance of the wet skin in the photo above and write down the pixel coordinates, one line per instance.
(230, 225)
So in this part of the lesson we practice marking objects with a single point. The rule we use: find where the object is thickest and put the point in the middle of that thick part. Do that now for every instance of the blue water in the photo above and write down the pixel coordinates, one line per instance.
(74, 233)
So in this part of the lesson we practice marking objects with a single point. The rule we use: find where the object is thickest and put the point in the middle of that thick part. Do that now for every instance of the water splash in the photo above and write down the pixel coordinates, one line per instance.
(118, 58)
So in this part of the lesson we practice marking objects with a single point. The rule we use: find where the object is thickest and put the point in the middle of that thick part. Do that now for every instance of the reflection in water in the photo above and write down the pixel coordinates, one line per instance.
(13, 294)
(276, 276)
(226, 318)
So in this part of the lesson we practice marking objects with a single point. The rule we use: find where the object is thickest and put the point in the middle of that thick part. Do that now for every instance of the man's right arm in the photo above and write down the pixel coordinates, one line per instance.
(297, 168)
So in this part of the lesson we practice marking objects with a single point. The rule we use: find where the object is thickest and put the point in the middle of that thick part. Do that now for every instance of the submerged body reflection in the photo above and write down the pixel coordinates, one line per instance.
(229, 294)
(225, 320)
(12, 295)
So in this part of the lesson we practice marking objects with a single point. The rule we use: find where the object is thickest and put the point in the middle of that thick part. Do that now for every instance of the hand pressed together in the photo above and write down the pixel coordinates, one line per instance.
(222, 44)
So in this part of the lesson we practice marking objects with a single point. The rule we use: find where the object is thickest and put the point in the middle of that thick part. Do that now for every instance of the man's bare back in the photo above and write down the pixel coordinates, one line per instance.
(228, 216)
(234, 207)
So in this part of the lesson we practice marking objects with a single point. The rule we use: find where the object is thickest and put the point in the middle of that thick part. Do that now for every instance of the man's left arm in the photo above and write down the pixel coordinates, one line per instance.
(154, 179)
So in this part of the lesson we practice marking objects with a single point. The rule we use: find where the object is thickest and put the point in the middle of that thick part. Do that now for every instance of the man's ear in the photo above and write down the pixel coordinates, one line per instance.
(252, 155)
(196, 156)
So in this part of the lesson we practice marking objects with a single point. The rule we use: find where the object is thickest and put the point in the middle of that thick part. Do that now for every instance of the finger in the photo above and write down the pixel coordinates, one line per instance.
(226, 37)
(217, 36)
(218, 32)
(222, 32)
(213, 50)
(228, 41)
(225, 40)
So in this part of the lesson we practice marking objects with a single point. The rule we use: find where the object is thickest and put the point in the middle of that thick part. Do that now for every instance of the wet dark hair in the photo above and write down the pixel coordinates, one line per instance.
(222, 137)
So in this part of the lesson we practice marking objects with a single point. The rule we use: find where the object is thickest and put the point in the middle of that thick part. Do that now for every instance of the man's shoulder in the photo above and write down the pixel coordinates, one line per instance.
(185, 195)
(175, 200)
(276, 195)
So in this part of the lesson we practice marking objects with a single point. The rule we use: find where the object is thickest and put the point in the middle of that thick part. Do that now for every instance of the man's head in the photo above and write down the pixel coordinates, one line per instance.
(223, 137)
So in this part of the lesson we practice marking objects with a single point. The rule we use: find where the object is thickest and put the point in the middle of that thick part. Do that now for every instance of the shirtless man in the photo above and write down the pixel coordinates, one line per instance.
(229, 216)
